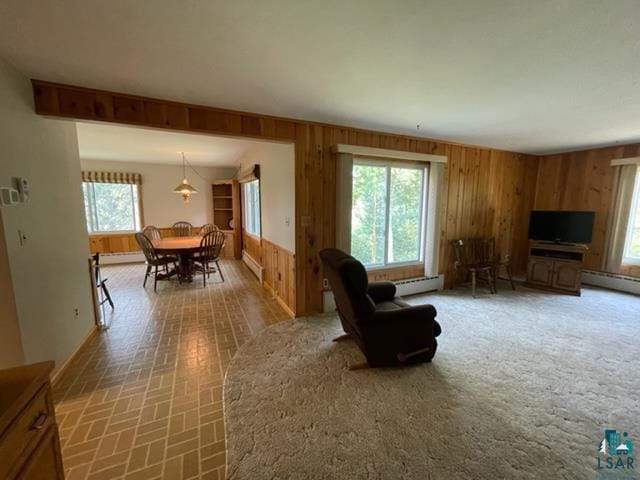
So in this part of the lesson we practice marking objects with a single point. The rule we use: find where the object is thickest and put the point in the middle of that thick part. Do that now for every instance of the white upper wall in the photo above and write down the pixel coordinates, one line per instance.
(277, 191)
(50, 270)
(162, 207)
(124, 143)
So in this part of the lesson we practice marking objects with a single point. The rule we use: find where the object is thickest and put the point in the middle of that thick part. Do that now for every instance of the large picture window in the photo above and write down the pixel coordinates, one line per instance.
(251, 204)
(387, 220)
(632, 242)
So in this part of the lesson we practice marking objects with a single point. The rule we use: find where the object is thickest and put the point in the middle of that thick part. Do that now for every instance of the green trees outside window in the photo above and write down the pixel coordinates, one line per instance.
(111, 207)
(387, 213)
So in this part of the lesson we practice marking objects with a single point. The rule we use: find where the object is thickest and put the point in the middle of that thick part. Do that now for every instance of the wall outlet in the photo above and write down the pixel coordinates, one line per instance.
(287, 221)
(325, 283)
(76, 311)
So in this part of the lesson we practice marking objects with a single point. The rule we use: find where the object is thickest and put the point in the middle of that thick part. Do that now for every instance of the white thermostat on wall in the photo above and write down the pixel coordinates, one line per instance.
(9, 196)
(23, 188)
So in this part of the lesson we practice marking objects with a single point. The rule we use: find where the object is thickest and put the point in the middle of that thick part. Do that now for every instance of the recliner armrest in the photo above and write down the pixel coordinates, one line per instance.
(381, 291)
(409, 314)
(415, 314)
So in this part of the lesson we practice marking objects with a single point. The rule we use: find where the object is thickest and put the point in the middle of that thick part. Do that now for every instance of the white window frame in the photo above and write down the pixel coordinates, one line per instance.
(635, 205)
(423, 196)
(91, 218)
(246, 211)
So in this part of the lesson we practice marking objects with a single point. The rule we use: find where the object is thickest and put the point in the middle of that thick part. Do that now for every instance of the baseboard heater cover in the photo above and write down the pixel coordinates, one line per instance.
(254, 266)
(124, 257)
(611, 281)
(406, 287)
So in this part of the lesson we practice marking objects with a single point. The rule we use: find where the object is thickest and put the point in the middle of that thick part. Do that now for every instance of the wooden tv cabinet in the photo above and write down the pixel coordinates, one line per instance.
(556, 266)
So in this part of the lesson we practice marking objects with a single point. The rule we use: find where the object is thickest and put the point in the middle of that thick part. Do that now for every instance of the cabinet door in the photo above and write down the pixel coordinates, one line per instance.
(540, 272)
(45, 463)
(566, 276)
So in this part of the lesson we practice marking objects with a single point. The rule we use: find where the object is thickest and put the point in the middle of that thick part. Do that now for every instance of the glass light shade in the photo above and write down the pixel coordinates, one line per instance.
(185, 190)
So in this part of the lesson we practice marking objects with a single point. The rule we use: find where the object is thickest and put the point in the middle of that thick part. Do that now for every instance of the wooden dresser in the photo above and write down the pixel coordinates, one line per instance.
(29, 442)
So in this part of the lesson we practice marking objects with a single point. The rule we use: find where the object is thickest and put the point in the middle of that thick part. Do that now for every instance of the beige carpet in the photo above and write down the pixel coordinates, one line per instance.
(523, 386)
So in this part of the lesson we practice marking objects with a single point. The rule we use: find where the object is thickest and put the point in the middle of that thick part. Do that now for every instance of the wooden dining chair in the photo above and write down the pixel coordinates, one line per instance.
(181, 229)
(101, 283)
(155, 261)
(208, 227)
(152, 233)
(210, 248)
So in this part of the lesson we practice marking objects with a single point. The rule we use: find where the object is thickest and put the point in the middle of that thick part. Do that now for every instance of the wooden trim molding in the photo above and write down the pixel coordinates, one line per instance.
(486, 192)
(360, 151)
(625, 161)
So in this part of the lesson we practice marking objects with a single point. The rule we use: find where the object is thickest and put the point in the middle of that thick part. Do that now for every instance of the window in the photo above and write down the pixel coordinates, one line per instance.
(632, 243)
(251, 199)
(387, 218)
(112, 201)
(111, 207)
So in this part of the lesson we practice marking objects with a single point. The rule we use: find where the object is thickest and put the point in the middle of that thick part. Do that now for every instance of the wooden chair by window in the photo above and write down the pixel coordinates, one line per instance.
(210, 248)
(101, 283)
(153, 260)
(181, 229)
(206, 228)
(474, 257)
(152, 233)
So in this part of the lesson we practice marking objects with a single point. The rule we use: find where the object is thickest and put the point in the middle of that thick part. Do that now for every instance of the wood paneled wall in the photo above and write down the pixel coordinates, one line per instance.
(279, 268)
(396, 273)
(583, 180)
(488, 192)
(280, 273)
(253, 246)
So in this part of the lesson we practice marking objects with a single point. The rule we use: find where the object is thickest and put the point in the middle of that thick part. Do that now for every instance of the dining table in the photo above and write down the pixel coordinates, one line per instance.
(182, 247)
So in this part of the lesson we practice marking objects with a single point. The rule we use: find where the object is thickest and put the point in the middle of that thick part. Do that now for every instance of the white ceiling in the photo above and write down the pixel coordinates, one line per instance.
(98, 141)
(524, 75)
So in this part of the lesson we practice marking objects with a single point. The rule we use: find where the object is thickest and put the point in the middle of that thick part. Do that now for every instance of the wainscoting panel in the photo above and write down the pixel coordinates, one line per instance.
(252, 245)
(280, 273)
(126, 242)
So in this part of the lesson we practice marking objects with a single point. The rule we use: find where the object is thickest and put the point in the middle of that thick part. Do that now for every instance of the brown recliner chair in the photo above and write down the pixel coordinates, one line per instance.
(387, 330)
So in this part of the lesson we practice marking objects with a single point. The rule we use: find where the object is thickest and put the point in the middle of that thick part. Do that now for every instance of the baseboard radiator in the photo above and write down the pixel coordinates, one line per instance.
(254, 266)
(611, 281)
(124, 257)
(410, 286)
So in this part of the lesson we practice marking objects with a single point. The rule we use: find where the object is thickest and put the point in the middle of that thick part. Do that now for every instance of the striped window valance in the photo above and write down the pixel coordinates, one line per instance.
(112, 177)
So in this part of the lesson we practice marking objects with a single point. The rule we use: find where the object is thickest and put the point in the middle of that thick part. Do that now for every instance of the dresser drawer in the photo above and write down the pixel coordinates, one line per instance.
(25, 432)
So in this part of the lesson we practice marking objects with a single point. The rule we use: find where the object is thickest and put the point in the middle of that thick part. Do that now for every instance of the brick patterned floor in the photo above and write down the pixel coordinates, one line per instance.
(143, 400)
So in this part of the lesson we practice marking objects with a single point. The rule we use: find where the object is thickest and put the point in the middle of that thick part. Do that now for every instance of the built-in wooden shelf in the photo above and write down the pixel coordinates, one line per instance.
(226, 211)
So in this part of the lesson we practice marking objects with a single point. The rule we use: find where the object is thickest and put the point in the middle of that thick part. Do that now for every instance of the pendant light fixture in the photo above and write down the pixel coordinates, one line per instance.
(184, 188)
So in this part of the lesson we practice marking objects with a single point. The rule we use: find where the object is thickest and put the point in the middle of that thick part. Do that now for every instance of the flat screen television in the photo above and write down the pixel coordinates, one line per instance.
(561, 226)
